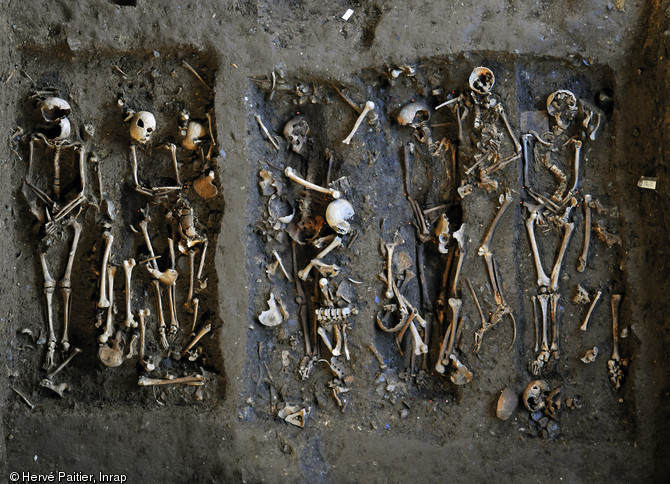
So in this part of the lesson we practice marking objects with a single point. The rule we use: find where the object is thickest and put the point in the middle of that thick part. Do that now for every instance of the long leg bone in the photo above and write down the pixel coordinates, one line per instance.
(543, 356)
(66, 285)
(73, 353)
(337, 350)
(585, 324)
(501, 111)
(56, 184)
(128, 269)
(378, 356)
(615, 364)
(420, 347)
(172, 148)
(587, 234)
(290, 173)
(486, 243)
(49, 287)
(201, 266)
(537, 324)
(196, 305)
(109, 327)
(197, 338)
(389, 247)
(172, 296)
(448, 341)
(555, 328)
(303, 274)
(163, 342)
(542, 279)
(555, 273)
(144, 313)
(345, 342)
(369, 106)
(144, 227)
(460, 257)
(191, 263)
(578, 149)
(103, 302)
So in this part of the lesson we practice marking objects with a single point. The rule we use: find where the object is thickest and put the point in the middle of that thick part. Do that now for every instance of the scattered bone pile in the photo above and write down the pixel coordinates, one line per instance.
(146, 313)
(475, 158)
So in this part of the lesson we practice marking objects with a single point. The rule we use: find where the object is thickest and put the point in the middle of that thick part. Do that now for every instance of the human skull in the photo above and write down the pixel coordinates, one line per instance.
(562, 106)
(482, 80)
(142, 125)
(295, 132)
(413, 114)
(534, 395)
(337, 214)
(54, 109)
(194, 131)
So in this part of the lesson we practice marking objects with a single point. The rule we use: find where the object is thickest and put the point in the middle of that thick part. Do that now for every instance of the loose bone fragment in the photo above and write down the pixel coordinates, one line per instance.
(291, 174)
(378, 356)
(281, 265)
(389, 247)
(128, 269)
(369, 106)
(303, 274)
(337, 350)
(591, 308)
(187, 380)
(326, 340)
(615, 364)
(542, 279)
(109, 328)
(590, 355)
(556, 272)
(581, 266)
(103, 302)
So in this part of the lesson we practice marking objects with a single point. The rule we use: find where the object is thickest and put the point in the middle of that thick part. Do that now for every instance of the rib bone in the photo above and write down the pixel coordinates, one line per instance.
(588, 315)
(542, 279)
(128, 270)
(103, 302)
(587, 234)
(290, 173)
(369, 106)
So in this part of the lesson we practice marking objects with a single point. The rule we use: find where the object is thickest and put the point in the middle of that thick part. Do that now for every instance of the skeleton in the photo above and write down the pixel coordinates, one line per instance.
(56, 212)
(565, 111)
(489, 120)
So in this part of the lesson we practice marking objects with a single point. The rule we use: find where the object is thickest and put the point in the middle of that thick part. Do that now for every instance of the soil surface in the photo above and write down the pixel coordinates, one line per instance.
(267, 400)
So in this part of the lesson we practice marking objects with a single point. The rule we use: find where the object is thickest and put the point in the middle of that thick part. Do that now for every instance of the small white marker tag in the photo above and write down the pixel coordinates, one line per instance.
(646, 182)
(347, 15)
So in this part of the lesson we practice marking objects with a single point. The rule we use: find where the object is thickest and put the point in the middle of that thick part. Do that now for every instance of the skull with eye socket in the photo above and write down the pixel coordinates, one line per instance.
(142, 126)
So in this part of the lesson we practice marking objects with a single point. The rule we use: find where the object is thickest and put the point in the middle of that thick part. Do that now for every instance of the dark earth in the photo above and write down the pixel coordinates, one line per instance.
(236, 61)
